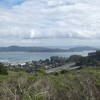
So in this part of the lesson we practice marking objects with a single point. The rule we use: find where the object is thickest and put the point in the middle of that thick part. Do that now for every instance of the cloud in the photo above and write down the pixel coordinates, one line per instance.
(47, 19)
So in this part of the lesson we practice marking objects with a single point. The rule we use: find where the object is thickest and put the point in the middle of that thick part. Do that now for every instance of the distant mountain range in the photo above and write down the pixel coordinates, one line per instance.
(84, 48)
(29, 49)
(44, 49)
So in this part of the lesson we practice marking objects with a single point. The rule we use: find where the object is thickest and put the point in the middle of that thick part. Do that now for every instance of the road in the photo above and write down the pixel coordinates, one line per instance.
(64, 67)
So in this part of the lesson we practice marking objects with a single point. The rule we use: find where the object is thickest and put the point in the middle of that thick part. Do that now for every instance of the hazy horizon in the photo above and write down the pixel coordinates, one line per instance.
(53, 47)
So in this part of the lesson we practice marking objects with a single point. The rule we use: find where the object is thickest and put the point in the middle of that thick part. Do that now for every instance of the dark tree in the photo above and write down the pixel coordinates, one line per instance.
(3, 69)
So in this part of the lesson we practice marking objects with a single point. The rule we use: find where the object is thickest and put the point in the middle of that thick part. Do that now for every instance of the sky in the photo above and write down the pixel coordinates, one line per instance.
(50, 22)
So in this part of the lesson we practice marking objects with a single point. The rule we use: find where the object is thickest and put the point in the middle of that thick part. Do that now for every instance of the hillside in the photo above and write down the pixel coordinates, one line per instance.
(29, 49)
(44, 49)
(35, 83)
(81, 84)
(79, 49)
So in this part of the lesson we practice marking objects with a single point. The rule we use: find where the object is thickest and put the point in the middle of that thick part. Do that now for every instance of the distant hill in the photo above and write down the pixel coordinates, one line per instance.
(79, 49)
(44, 49)
(29, 49)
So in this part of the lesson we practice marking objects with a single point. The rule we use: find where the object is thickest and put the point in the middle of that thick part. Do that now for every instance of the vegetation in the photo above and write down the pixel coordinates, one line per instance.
(30, 67)
(3, 70)
(31, 82)
(82, 84)
(93, 59)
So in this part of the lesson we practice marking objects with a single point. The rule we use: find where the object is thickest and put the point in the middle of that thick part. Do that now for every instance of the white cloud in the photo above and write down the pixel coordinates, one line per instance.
(43, 19)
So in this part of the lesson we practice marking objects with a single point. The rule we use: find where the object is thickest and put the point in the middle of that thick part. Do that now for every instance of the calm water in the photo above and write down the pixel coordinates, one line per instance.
(28, 56)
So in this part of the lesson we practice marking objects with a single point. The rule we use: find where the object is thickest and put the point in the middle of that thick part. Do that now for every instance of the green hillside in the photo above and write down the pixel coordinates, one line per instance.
(81, 84)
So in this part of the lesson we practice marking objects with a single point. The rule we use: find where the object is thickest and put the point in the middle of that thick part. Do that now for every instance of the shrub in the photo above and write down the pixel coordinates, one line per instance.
(3, 69)
(63, 71)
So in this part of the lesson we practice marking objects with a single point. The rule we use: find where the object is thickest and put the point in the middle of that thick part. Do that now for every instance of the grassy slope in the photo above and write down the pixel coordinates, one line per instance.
(76, 85)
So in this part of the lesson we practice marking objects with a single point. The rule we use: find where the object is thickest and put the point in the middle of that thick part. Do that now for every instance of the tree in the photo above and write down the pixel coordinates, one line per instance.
(3, 69)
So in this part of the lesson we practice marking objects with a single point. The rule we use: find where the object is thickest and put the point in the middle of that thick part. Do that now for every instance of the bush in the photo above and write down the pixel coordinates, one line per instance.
(3, 69)
(63, 71)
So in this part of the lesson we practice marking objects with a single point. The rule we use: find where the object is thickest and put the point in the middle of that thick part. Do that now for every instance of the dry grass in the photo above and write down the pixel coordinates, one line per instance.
(77, 85)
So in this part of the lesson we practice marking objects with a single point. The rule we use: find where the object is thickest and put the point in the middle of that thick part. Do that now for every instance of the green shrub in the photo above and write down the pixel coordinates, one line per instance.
(96, 73)
(3, 70)
(98, 83)
(63, 71)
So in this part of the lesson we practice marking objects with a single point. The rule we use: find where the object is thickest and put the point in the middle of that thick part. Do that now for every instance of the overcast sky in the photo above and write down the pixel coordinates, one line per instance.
(50, 22)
